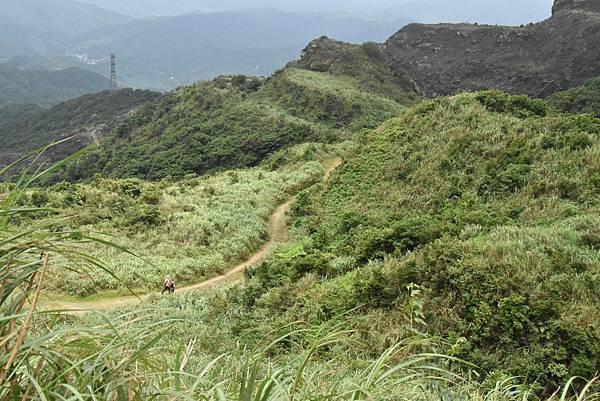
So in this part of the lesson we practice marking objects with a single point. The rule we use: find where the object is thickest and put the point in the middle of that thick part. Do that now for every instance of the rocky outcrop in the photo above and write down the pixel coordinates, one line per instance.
(370, 65)
(537, 60)
(571, 5)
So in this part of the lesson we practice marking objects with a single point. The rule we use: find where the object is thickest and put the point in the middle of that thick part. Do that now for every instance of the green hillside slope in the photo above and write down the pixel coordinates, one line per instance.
(453, 255)
(47, 88)
(236, 122)
(473, 218)
(26, 128)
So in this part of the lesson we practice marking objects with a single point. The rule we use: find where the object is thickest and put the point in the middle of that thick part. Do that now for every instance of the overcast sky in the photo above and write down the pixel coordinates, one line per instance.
(483, 11)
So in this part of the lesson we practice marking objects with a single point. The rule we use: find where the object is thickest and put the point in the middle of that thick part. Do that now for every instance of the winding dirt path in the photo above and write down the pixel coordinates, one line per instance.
(277, 232)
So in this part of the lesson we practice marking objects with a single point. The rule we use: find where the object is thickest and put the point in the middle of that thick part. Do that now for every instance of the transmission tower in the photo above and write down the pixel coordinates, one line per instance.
(113, 72)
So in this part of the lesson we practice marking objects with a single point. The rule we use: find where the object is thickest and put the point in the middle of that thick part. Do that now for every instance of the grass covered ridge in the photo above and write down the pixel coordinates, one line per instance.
(235, 122)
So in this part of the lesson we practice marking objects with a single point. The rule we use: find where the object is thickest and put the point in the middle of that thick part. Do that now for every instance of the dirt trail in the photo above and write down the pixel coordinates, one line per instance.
(277, 231)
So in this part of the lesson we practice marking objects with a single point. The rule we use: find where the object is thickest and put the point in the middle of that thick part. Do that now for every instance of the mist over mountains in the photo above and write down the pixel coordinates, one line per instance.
(485, 11)
(166, 52)
(214, 37)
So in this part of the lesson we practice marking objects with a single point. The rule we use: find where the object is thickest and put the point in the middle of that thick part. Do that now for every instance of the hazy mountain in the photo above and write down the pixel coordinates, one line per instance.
(265, 28)
(170, 51)
(503, 12)
(48, 26)
(57, 16)
(22, 40)
(166, 52)
(46, 88)
(146, 8)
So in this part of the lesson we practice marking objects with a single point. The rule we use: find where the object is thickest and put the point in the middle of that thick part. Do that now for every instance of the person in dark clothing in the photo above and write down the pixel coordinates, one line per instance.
(169, 285)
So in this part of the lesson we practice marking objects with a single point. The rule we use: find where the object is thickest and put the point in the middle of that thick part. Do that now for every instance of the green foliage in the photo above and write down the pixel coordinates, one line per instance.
(24, 130)
(505, 285)
(487, 203)
(238, 121)
(519, 106)
(584, 99)
(336, 101)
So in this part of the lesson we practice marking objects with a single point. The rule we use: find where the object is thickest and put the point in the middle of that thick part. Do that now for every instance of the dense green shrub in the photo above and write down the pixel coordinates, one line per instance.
(518, 105)
(584, 99)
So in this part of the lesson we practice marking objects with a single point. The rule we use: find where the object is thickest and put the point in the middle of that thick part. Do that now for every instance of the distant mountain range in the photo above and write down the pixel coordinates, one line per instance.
(190, 47)
(66, 17)
(48, 26)
(167, 52)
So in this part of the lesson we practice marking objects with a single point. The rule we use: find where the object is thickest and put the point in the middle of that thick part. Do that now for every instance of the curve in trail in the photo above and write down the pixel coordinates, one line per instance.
(277, 229)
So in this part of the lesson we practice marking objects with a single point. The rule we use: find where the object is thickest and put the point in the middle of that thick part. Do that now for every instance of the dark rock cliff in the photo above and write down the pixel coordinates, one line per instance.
(582, 5)
(537, 60)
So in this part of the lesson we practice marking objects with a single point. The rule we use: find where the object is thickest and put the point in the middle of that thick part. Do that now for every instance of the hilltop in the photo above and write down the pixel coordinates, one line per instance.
(537, 59)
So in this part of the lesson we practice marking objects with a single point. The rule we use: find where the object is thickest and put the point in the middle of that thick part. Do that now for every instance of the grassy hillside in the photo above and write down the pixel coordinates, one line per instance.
(47, 88)
(235, 122)
(465, 228)
(191, 229)
(472, 218)
(584, 99)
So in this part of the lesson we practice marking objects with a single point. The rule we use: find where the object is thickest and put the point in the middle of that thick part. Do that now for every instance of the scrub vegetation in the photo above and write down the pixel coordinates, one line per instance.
(453, 255)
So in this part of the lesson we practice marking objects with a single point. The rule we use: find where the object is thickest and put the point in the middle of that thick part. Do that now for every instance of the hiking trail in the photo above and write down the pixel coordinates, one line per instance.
(277, 228)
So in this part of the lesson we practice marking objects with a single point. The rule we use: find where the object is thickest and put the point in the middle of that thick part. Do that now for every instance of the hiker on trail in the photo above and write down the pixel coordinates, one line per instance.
(169, 285)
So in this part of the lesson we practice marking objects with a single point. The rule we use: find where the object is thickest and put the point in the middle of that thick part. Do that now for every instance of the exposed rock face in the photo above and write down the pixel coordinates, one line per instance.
(570, 5)
(538, 60)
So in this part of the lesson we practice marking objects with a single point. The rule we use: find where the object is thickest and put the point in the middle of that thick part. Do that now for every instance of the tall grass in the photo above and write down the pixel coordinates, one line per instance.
(191, 229)
(124, 356)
